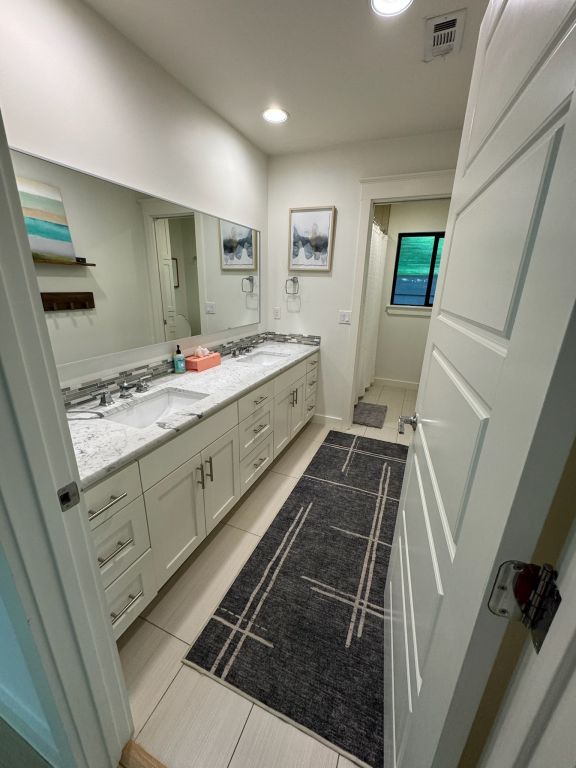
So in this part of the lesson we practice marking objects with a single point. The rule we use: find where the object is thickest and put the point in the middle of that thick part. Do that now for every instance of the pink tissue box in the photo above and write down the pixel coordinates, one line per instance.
(203, 363)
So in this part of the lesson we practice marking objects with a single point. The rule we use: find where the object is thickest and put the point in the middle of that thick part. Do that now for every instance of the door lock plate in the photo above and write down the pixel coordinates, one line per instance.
(527, 593)
(68, 496)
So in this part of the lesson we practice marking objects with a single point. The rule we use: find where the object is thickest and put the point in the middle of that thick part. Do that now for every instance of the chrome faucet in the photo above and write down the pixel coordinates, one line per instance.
(105, 397)
(142, 386)
(125, 390)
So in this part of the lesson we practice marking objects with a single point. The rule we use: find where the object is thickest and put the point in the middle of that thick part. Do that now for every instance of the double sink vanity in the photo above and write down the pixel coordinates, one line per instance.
(162, 469)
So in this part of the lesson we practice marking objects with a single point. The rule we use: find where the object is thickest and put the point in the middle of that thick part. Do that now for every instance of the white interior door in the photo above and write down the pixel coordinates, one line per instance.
(485, 462)
(165, 270)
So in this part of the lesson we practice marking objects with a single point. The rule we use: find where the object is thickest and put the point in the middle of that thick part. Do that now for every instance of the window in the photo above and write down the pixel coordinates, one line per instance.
(416, 270)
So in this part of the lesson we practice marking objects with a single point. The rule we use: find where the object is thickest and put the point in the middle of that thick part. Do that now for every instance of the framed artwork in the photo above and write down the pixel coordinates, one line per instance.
(238, 247)
(311, 239)
(175, 274)
(46, 223)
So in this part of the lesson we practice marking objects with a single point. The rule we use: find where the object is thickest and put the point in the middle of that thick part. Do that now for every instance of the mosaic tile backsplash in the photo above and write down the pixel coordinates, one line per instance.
(88, 390)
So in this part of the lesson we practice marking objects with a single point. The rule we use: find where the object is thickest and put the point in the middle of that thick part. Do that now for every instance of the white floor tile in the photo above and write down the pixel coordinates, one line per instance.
(186, 603)
(406, 438)
(316, 432)
(262, 503)
(151, 659)
(409, 404)
(355, 429)
(386, 433)
(343, 762)
(294, 460)
(197, 724)
(268, 742)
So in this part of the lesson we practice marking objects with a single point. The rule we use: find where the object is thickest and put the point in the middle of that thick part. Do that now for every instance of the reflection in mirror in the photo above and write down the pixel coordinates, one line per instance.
(118, 269)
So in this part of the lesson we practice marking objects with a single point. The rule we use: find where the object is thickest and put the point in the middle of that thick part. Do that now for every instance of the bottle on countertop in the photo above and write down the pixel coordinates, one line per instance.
(179, 362)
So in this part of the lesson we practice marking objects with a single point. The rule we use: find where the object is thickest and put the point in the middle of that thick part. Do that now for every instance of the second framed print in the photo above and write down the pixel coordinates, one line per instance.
(311, 239)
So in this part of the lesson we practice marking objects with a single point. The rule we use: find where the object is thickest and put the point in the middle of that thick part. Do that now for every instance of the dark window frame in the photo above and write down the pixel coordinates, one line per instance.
(437, 235)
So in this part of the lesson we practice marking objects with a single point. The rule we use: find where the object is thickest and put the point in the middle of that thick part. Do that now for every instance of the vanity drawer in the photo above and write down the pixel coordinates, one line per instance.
(310, 389)
(159, 463)
(289, 377)
(121, 540)
(130, 593)
(256, 463)
(112, 494)
(312, 363)
(311, 376)
(256, 428)
(255, 399)
(309, 407)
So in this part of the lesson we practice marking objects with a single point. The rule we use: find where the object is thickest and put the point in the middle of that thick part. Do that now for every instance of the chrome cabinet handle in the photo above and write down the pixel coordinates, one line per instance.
(259, 462)
(133, 598)
(259, 428)
(210, 474)
(102, 561)
(313, 363)
(260, 400)
(311, 408)
(311, 383)
(113, 500)
(292, 403)
(202, 480)
(296, 395)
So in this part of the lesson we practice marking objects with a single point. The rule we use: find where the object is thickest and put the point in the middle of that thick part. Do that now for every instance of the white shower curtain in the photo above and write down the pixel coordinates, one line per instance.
(370, 319)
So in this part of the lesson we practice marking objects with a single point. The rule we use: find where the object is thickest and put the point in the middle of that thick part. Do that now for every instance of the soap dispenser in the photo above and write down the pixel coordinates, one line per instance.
(179, 362)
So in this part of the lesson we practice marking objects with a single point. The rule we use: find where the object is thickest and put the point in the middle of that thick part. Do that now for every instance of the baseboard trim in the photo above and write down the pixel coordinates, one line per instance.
(397, 383)
(330, 421)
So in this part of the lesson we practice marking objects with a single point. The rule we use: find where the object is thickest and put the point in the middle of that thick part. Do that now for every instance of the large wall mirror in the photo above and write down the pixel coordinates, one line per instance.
(118, 269)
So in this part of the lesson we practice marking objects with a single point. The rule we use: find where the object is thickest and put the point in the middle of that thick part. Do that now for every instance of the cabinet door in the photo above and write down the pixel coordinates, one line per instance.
(297, 416)
(175, 508)
(282, 414)
(221, 462)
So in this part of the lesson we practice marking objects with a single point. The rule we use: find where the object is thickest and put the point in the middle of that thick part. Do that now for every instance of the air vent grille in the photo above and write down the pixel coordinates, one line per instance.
(444, 34)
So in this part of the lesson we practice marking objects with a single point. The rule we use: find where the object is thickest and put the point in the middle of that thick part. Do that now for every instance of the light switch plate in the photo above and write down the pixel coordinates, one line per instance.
(344, 316)
(276, 313)
(210, 308)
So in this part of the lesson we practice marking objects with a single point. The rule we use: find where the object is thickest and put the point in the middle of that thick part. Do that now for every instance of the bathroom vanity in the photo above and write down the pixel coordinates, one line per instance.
(162, 469)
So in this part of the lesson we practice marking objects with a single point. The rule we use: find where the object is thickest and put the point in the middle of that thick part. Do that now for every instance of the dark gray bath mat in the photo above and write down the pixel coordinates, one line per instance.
(301, 629)
(370, 415)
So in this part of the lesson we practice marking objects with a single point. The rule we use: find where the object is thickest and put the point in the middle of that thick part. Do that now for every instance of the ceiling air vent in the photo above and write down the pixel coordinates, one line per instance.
(443, 34)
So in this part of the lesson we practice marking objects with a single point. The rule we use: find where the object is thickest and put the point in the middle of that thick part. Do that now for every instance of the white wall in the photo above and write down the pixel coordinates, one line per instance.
(402, 338)
(75, 91)
(332, 177)
(107, 228)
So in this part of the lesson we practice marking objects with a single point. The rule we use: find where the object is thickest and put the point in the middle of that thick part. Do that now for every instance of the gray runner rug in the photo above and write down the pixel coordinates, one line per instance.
(301, 629)
(370, 415)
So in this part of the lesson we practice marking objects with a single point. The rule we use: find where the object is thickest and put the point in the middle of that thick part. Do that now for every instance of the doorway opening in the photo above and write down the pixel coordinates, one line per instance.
(403, 258)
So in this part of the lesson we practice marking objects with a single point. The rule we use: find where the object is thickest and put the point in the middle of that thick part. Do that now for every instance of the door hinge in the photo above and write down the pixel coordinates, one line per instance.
(68, 496)
(527, 593)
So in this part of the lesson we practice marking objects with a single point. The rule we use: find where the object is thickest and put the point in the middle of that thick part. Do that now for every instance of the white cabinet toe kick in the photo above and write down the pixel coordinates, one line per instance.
(148, 518)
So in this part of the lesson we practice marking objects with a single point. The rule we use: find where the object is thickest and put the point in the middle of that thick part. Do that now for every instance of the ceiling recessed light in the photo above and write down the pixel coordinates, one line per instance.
(275, 115)
(390, 7)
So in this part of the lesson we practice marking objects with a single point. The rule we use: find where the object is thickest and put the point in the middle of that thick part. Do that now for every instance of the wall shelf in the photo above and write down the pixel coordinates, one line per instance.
(57, 263)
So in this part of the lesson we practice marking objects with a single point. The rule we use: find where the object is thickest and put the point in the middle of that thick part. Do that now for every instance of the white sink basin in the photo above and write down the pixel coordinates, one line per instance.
(155, 407)
(263, 357)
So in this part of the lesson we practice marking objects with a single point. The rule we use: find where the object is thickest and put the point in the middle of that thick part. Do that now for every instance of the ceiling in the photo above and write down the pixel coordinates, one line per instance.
(343, 73)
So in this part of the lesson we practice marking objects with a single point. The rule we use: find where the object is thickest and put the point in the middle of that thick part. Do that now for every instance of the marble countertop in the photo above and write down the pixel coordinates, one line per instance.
(103, 446)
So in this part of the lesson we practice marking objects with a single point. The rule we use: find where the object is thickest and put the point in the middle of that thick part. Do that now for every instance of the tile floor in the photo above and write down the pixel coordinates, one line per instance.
(183, 718)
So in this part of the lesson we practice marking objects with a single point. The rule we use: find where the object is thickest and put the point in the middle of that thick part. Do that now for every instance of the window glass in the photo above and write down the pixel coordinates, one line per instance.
(418, 262)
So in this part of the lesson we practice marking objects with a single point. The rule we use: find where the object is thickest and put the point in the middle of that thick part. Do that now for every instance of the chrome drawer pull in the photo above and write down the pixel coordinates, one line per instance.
(259, 462)
(210, 474)
(113, 500)
(311, 407)
(133, 598)
(260, 400)
(202, 480)
(102, 561)
(259, 428)
(312, 383)
(313, 363)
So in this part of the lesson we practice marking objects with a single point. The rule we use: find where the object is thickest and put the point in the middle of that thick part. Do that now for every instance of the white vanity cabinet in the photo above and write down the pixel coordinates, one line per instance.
(149, 517)
(176, 520)
(220, 477)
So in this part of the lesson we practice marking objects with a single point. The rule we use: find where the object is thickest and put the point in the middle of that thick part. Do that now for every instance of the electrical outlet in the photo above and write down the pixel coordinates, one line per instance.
(210, 308)
(276, 313)
(344, 316)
